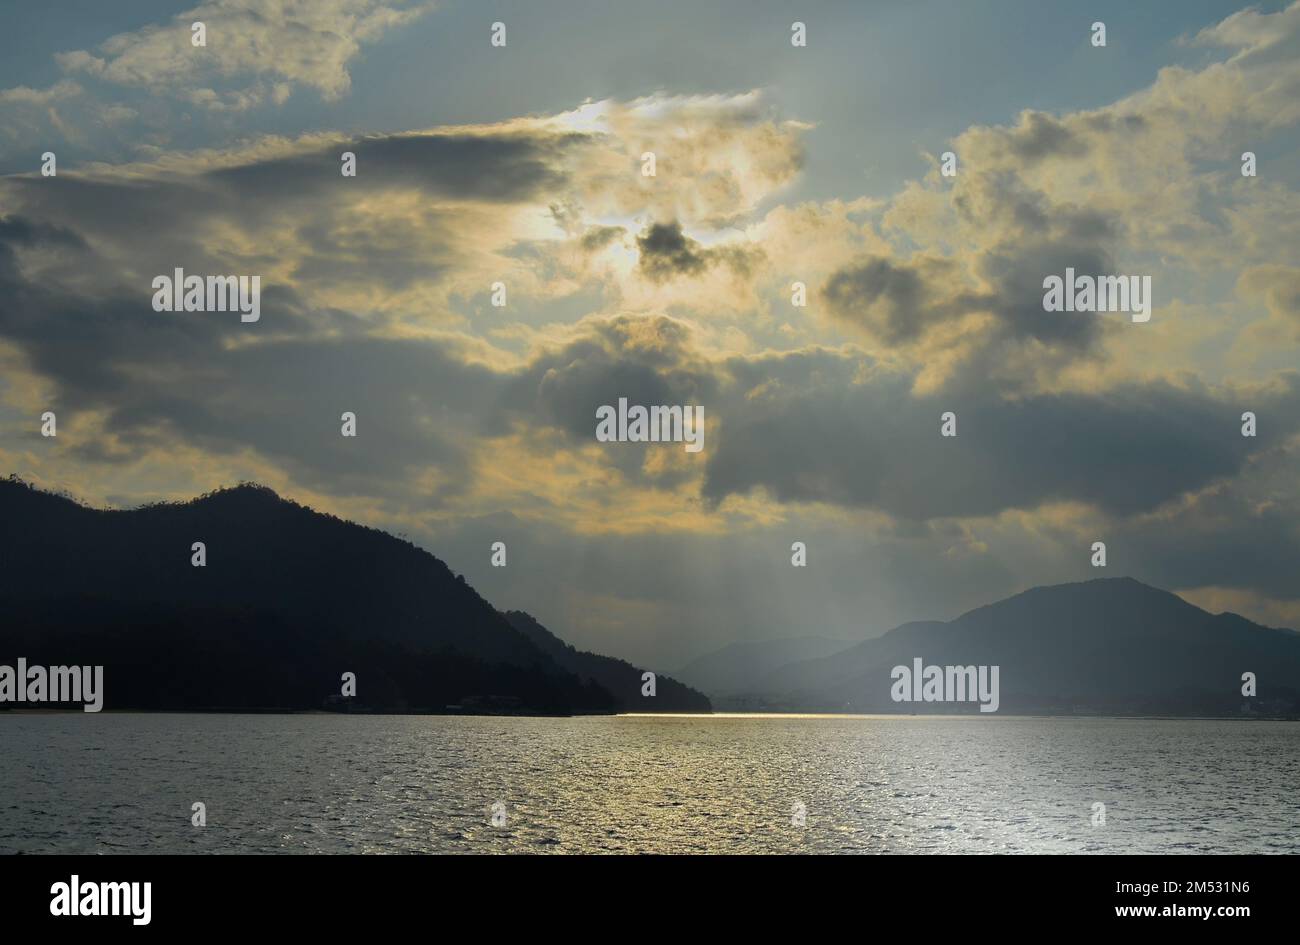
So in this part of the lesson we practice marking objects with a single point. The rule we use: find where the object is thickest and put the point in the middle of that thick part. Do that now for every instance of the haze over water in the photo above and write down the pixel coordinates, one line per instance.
(327, 783)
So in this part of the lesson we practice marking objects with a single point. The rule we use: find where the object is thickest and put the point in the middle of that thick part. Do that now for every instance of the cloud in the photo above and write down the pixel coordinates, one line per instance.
(422, 207)
(1279, 286)
(431, 219)
(897, 302)
(1148, 185)
(433, 214)
(717, 157)
(256, 52)
(666, 252)
(855, 434)
(23, 95)
(138, 92)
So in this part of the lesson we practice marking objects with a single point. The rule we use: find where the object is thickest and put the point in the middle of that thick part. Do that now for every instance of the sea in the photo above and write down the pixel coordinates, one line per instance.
(324, 783)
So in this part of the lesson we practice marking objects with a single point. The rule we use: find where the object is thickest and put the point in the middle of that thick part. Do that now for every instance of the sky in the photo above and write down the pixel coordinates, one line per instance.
(820, 164)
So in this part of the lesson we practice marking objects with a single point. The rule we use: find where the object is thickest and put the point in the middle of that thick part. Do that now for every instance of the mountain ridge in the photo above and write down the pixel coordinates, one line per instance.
(1117, 646)
(618, 677)
(335, 596)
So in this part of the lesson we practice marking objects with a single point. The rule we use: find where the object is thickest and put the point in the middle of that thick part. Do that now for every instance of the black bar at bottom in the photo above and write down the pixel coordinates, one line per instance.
(330, 895)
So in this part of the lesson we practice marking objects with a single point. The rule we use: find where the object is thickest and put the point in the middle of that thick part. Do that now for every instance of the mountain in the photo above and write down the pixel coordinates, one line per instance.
(735, 668)
(288, 601)
(1113, 646)
(620, 679)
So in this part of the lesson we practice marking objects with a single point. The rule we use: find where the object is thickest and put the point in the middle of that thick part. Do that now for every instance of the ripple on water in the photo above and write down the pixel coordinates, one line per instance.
(300, 784)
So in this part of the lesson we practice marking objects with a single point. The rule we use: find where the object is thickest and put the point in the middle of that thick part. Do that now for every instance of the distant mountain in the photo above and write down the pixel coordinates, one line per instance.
(621, 680)
(737, 667)
(1113, 646)
(289, 600)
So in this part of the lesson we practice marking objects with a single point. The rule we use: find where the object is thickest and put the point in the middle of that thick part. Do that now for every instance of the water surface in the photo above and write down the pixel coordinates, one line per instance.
(108, 783)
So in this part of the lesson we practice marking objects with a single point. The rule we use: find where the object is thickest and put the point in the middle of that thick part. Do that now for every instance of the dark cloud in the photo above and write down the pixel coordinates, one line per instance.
(17, 231)
(84, 320)
(1241, 534)
(598, 237)
(205, 380)
(151, 222)
(1016, 277)
(900, 303)
(647, 360)
(667, 252)
(1040, 135)
(503, 167)
(897, 302)
(839, 438)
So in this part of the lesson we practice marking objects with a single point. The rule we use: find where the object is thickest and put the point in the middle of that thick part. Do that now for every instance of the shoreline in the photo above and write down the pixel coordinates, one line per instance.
(793, 714)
